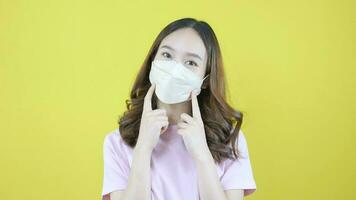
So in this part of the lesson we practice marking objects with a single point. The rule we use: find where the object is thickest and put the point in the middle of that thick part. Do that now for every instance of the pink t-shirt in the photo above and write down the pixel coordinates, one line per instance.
(173, 173)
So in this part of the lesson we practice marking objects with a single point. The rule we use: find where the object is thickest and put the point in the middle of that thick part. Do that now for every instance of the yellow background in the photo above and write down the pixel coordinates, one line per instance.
(67, 66)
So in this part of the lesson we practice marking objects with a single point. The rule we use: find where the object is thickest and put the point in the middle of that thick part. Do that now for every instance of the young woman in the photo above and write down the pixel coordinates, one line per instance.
(179, 139)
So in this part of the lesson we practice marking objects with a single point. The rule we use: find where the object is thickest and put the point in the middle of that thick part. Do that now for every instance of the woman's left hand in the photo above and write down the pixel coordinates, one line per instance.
(191, 128)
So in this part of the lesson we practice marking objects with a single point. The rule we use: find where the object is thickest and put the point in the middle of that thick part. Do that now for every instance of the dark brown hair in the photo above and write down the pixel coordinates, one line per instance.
(222, 123)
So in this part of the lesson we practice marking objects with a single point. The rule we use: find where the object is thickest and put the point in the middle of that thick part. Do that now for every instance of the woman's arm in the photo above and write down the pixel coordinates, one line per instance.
(191, 128)
(139, 178)
(210, 187)
(153, 124)
(235, 194)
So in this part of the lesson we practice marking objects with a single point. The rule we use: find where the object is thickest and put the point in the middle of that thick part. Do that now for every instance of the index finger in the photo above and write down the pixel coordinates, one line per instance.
(147, 104)
(195, 106)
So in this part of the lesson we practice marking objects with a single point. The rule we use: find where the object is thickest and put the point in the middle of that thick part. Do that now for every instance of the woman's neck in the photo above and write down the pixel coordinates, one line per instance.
(175, 110)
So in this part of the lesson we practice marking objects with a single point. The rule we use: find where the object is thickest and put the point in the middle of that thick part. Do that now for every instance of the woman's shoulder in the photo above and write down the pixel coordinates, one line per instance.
(240, 141)
(241, 146)
(114, 141)
(112, 134)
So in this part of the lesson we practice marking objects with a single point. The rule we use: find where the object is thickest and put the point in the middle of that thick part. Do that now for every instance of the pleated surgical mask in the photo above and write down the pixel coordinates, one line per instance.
(174, 82)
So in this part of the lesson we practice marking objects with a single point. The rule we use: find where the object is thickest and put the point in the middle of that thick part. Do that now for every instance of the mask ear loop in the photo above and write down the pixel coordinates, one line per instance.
(198, 90)
(204, 78)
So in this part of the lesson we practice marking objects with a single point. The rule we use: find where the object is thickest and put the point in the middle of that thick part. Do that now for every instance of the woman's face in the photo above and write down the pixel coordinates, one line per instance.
(184, 46)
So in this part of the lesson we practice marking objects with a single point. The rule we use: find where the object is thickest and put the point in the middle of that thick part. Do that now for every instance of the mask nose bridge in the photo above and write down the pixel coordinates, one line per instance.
(176, 67)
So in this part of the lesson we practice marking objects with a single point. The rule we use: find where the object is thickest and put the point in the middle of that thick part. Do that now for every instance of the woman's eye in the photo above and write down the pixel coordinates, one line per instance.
(165, 54)
(192, 63)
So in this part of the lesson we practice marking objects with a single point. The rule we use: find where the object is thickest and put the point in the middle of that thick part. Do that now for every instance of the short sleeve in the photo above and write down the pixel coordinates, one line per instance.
(116, 167)
(238, 174)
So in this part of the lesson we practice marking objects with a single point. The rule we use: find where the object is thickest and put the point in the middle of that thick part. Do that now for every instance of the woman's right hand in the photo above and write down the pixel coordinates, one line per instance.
(153, 123)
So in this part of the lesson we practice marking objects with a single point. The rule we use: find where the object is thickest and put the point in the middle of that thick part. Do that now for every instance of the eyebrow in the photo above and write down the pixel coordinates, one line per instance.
(188, 53)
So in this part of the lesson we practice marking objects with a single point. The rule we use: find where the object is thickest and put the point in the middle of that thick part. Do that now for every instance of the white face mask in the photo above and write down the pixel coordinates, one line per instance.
(174, 82)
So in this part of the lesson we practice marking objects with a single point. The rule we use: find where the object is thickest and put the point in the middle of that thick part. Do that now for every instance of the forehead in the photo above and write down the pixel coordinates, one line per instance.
(185, 40)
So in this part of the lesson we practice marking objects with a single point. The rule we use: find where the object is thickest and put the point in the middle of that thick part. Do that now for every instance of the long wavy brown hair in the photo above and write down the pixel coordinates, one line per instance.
(222, 123)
